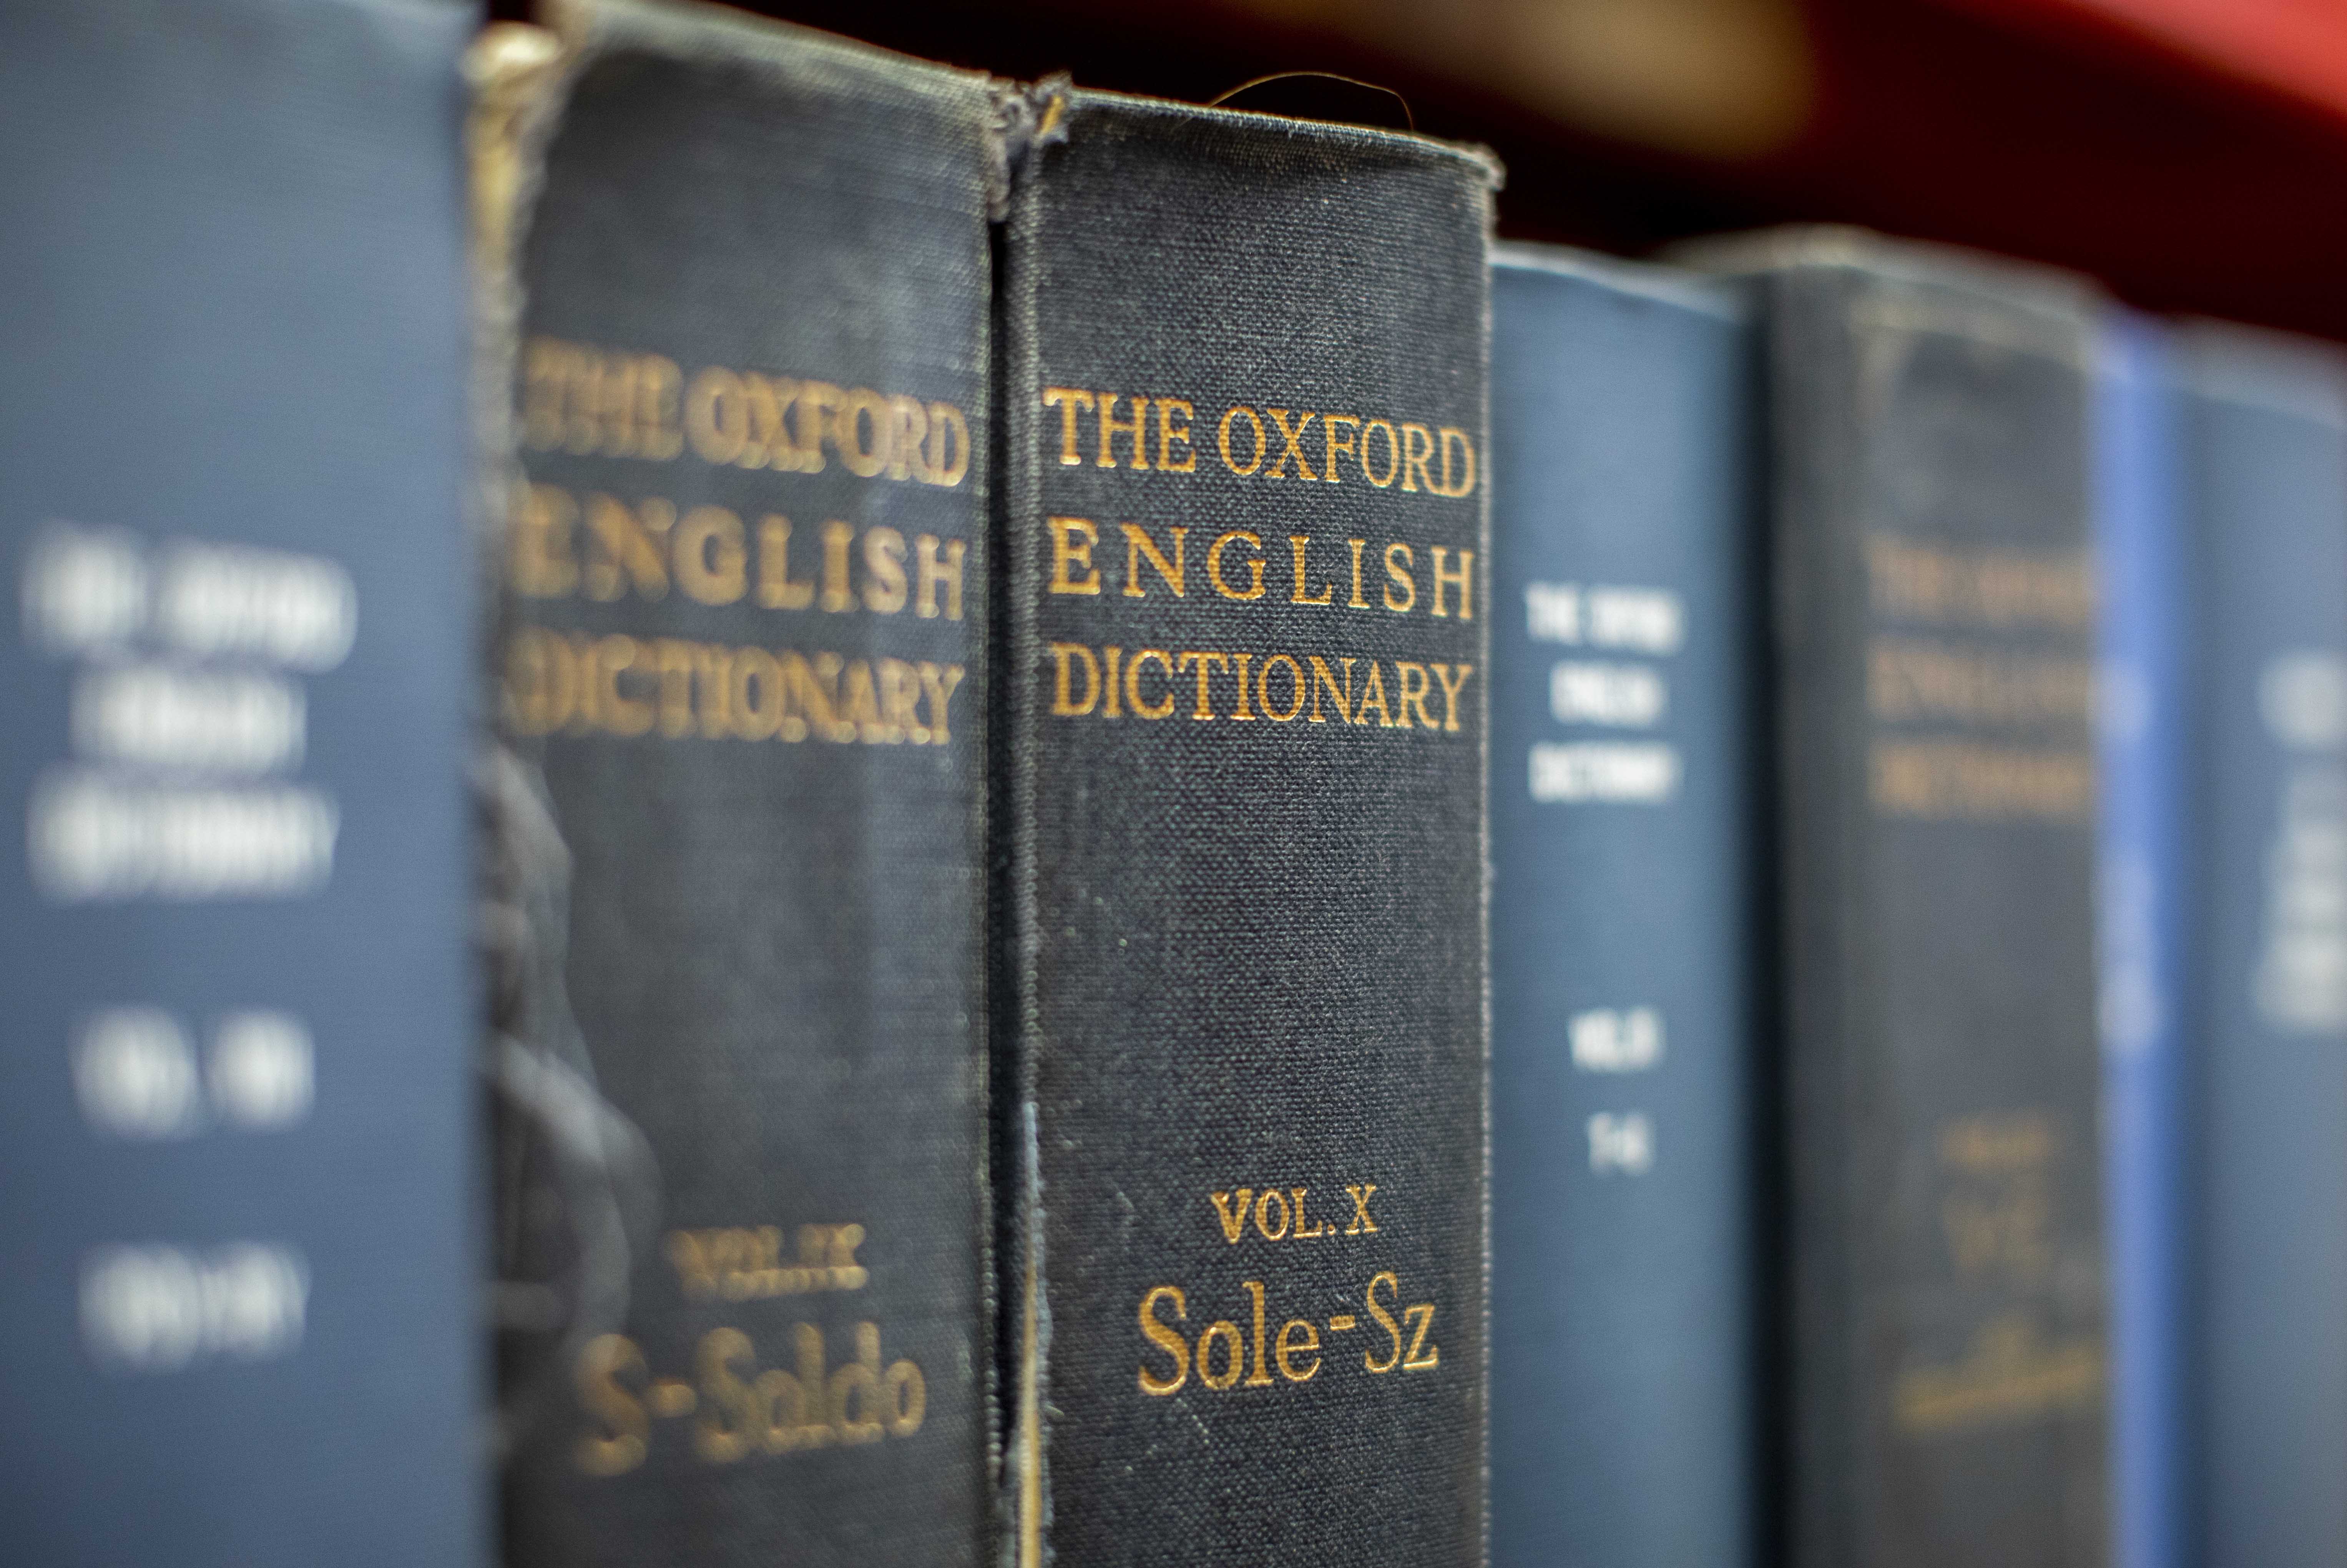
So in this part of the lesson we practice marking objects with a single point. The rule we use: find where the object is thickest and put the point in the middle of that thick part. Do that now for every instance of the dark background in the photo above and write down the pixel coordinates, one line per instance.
(2202, 173)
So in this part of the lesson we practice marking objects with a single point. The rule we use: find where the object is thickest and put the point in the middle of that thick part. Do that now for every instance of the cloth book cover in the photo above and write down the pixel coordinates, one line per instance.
(1242, 982)
(2145, 704)
(2264, 450)
(1933, 629)
(1626, 794)
(741, 1066)
(238, 1328)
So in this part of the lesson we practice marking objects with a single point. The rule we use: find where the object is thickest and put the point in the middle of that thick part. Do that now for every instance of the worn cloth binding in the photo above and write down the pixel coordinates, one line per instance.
(1240, 958)
(739, 679)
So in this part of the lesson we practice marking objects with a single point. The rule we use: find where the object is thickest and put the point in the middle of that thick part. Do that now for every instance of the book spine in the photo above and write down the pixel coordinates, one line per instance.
(1934, 609)
(2142, 550)
(2265, 445)
(239, 1326)
(740, 803)
(1625, 792)
(1243, 828)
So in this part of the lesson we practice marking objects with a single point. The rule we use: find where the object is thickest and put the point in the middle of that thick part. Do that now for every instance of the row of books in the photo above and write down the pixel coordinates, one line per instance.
(1045, 826)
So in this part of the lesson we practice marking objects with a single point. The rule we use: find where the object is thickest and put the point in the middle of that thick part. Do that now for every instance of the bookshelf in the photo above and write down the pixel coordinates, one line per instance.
(2192, 154)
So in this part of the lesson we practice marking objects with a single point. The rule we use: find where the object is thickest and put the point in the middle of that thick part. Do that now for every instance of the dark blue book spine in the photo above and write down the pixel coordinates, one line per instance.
(1623, 783)
(1933, 622)
(2142, 552)
(2266, 440)
(743, 594)
(240, 1324)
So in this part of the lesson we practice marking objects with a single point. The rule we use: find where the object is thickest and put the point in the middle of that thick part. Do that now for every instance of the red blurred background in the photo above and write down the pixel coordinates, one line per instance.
(2191, 154)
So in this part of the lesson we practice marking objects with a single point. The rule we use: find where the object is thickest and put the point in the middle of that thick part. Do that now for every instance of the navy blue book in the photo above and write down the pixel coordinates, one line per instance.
(2265, 443)
(1622, 802)
(236, 1084)
(2146, 866)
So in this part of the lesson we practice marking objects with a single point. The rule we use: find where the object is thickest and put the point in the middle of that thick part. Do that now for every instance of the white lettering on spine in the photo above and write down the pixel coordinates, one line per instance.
(1615, 694)
(1623, 1143)
(1609, 1040)
(183, 709)
(159, 1308)
(1645, 774)
(94, 837)
(2300, 983)
(1582, 692)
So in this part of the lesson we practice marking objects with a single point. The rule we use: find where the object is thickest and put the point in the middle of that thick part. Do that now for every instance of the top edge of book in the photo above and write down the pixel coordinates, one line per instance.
(692, 30)
(1433, 149)
(1645, 280)
(2062, 304)
(2259, 367)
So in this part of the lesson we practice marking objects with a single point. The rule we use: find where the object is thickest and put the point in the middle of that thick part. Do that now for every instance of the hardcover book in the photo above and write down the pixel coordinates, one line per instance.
(1934, 644)
(743, 1077)
(2264, 446)
(237, 1091)
(2143, 552)
(1625, 810)
(1240, 809)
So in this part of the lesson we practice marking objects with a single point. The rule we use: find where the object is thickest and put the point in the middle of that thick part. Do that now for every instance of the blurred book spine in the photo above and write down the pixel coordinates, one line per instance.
(239, 1324)
(743, 587)
(1934, 625)
(2263, 432)
(1625, 805)
(2143, 552)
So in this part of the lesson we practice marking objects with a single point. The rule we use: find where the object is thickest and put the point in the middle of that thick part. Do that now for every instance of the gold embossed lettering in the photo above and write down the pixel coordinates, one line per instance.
(1253, 588)
(1065, 704)
(1166, 1338)
(711, 557)
(1295, 688)
(1417, 451)
(1163, 706)
(836, 536)
(1068, 400)
(1110, 427)
(1072, 551)
(1324, 679)
(1170, 434)
(539, 550)
(1299, 543)
(1331, 446)
(1414, 688)
(928, 572)
(1296, 1337)
(1398, 560)
(1450, 690)
(1291, 437)
(1223, 439)
(775, 588)
(1140, 546)
(884, 570)
(937, 683)
(1259, 1375)
(1458, 480)
(1227, 1334)
(627, 548)
(1205, 662)
(626, 1431)
(948, 459)
(1393, 453)
(1462, 579)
